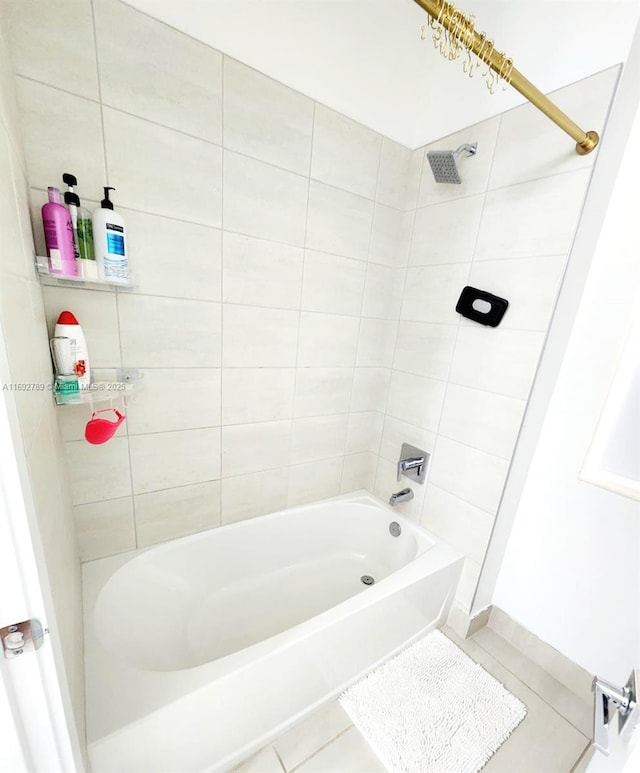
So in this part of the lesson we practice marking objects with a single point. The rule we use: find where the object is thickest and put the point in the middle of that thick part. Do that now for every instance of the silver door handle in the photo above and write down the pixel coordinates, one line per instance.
(607, 699)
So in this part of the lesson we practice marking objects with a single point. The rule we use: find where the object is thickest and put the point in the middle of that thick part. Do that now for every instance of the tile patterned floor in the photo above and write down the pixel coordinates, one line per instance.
(553, 738)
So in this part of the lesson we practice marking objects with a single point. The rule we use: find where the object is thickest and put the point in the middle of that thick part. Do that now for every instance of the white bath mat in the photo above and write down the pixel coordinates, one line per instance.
(431, 709)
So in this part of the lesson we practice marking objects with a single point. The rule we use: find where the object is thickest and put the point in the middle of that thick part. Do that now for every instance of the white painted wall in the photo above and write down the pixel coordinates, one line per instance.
(365, 59)
(571, 572)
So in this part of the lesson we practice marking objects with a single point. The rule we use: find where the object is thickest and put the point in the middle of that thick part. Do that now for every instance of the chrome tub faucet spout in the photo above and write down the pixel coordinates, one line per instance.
(406, 495)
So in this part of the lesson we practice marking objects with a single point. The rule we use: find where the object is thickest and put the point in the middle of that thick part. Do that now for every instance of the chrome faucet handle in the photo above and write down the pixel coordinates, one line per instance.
(414, 463)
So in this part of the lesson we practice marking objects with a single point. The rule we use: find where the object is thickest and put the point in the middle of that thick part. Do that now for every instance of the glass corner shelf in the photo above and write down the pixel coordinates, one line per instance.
(103, 389)
(42, 267)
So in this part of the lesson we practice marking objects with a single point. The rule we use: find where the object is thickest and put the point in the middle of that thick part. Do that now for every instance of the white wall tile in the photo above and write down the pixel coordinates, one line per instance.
(96, 312)
(358, 472)
(266, 120)
(22, 193)
(257, 394)
(425, 349)
(311, 482)
(23, 338)
(319, 437)
(396, 432)
(474, 170)
(486, 421)
(529, 284)
(376, 342)
(45, 117)
(327, 340)
(255, 447)
(72, 420)
(322, 391)
(383, 292)
(105, 528)
(176, 512)
(98, 472)
(263, 200)
(168, 332)
(390, 236)
(530, 146)
(53, 43)
(457, 522)
(257, 272)
(431, 293)
(345, 153)
(364, 432)
(174, 399)
(446, 232)
(12, 258)
(332, 284)
(167, 459)
(9, 113)
(370, 388)
(502, 361)
(253, 336)
(399, 175)
(49, 487)
(247, 496)
(158, 73)
(532, 218)
(416, 400)
(470, 474)
(338, 222)
(162, 171)
(173, 258)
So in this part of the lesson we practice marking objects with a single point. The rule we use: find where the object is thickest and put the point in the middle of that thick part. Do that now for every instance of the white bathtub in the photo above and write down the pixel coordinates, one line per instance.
(201, 650)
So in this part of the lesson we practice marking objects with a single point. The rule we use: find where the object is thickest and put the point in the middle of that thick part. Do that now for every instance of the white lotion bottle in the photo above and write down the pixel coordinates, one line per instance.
(67, 326)
(110, 242)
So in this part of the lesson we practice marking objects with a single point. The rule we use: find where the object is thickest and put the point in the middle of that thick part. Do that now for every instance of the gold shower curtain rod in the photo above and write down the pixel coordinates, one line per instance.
(462, 33)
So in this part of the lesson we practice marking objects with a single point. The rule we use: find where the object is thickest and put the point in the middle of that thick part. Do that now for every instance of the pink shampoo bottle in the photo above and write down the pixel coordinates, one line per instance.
(58, 236)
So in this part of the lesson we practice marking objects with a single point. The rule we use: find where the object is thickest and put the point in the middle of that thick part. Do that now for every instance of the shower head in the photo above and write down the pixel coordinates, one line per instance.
(443, 163)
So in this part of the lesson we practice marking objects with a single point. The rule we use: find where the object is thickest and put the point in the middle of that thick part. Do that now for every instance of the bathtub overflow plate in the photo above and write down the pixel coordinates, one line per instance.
(367, 579)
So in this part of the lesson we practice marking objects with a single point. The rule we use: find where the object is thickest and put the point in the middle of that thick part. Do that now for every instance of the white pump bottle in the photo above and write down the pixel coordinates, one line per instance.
(110, 243)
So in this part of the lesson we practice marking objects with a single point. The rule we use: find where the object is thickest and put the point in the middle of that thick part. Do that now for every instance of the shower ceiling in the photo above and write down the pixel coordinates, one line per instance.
(365, 58)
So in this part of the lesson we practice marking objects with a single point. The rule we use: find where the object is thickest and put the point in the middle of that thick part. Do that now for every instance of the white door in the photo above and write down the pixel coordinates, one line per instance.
(33, 725)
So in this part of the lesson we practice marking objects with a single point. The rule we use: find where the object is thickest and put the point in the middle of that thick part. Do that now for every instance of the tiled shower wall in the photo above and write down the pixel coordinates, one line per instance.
(268, 237)
(459, 389)
(295, 282)
(38, 446)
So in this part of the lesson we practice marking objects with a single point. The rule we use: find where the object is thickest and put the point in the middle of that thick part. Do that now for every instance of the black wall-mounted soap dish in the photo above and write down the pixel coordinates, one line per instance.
(481, 306)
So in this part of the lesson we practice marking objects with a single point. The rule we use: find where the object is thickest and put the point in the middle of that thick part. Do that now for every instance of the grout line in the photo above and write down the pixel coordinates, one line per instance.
(299, 309)
(582, 756)
(385, 407)
(104, 136)
(116, 298)
(275, 751)
(221, 279)
(459, 326)
(321, 748)
(362, 305)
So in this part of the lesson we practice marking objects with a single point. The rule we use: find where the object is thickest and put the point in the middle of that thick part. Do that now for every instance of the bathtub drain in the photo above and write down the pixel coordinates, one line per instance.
(367, 579)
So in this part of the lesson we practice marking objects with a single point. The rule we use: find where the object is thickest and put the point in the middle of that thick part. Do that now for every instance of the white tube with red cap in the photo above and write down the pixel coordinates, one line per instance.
(67, 327)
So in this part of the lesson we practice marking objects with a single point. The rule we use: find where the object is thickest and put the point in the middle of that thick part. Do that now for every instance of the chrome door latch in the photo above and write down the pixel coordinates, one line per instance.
(607, 700)
(21, 637)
